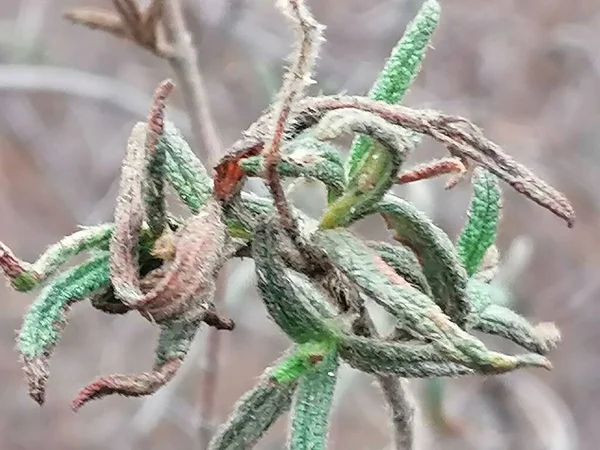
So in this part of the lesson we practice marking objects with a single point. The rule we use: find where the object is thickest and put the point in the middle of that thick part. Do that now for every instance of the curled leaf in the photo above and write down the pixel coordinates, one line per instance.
(404, 262)
(377, 173)
(129, 216)
(441, 266)
(176, 337)
(154, 189)
(309, 158)
(492, 318)
(288, 296)
(481, 228)
(501, 321)
(128, 385)
(45, 320)
(435, 168)
(25, 276)
(198, 254)
(461, 137)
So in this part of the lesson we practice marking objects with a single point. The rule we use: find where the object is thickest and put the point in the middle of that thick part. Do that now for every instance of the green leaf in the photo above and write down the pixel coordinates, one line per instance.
(404, 262)
(481, 228)
(254, 414)
(407, 360)
(377, 174)
(185, 172)
(45, 320)
(306, 157)
(399, 72)
(490, 317)
(441, 266)
(290, 297)
(312, 405)
(304, 357)
(175, 340)
(31, 275)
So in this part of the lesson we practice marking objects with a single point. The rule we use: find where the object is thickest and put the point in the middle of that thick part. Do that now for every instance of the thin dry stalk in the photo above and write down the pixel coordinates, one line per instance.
(460, 136)
(297, 77)
(184, 62)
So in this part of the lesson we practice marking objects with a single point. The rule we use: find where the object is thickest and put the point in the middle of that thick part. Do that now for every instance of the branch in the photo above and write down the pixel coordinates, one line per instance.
(184, 62)
(396, 393)
(296, 79)
(171, 42)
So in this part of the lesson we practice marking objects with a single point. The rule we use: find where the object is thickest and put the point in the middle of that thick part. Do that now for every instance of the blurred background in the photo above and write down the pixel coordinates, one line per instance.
(527, 72)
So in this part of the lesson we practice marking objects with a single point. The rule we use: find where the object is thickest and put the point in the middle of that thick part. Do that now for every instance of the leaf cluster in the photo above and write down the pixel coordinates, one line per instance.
(315, 278)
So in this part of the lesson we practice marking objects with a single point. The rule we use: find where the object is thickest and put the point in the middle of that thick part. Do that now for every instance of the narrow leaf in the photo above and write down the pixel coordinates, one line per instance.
(404, 262)
(417, 313)
(185, 172)
(481, 228)
(304, 357)
(176, 337)
(25, 277)
(254, 414)
(305, 157)
(45, 320)
(379, 171)
(154, 189)
(312, 405)
(441, 266)
(399, 72)
(407, 360)
(288, 296)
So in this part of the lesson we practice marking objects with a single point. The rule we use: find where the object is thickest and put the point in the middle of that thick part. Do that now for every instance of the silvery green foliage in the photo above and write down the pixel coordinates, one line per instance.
(315, 278)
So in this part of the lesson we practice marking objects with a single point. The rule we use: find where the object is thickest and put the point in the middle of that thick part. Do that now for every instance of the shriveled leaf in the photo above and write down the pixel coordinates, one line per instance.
(461, 137)
(199, 247)
(130, 385)
(377, 173)
(129, 216)
(154, 176)
(312, 405)
(100, 19)
(435, 168)
(176, 337)
(481, 228)
(45, 320)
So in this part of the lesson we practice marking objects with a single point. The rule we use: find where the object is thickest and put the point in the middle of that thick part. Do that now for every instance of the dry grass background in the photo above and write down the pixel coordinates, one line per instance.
(527, 72)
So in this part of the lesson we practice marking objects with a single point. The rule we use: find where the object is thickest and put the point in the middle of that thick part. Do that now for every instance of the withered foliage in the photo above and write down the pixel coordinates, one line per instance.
(315, 277)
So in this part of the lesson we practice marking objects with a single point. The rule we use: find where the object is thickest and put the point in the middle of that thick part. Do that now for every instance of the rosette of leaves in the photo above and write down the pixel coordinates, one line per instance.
(315, 277)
